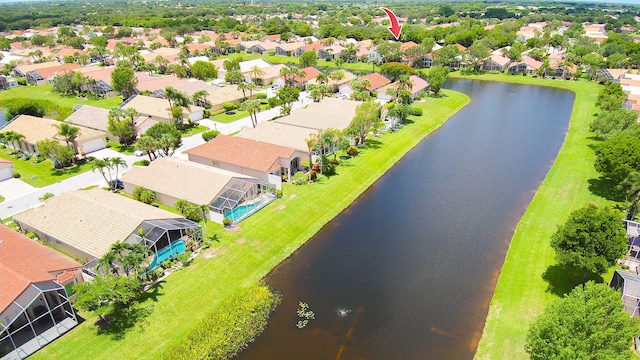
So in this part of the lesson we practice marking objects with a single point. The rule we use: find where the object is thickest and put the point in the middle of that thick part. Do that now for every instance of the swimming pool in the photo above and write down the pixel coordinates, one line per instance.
(177, 247)
(238, 212)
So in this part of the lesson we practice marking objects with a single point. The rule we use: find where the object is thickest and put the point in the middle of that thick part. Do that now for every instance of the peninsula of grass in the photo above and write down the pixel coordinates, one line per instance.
(530, 277)
(56, 106)
(42, 173)
(173, 309)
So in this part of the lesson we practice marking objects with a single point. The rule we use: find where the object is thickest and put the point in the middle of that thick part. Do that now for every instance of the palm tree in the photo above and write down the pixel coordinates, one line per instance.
(200, 97)
(311, 141)
(148, 145)
(13, 138)
(116, 163)
(336, 76)
(251, 86)
(256, 72)
(253, 107)
(288, 75)
(243, 86)
(162, 63)
(322, 78)
(107, 262)
(102, 165)
(83, 59)
(69, 132)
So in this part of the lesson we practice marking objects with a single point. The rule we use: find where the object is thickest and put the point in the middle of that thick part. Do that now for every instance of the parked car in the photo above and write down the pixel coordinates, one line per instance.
(116, 184)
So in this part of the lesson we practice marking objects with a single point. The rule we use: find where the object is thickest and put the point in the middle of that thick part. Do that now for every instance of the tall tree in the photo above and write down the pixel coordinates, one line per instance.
(68, 132)
(105, 293)
(437, 76)
(253, 107)
(586, 324)
(308, 58)
(312, 142)
(123, 80)
(367, 119)
(591, 239)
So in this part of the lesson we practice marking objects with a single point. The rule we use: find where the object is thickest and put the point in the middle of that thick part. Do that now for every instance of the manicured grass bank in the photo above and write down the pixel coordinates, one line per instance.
(241, 259)
(530, 277)
(43, 173)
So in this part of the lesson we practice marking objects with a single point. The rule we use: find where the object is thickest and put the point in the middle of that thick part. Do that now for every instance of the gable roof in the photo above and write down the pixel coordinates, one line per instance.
(278, 134)
(91, 220)
(418, 83)
(155, 107)
(198, 184)
(23, 262)
(243, 152)
(377, 80)
(91, 117)
(323, 115)
(310, 73)
(35, 129)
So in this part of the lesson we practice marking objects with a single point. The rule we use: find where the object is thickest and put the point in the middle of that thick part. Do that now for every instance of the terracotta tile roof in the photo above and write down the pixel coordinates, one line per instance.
(461, 47)
(275, 37)
(408, 45)
(181, 179)
(77, 218)
(376, 80)
(246, 153)
(24, 261)
(311, 73)
(48, 73)
(418, 83)
(316, 46)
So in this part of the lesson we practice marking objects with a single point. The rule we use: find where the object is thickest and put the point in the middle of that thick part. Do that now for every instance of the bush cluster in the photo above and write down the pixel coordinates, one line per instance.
(211, 134)
(229, 329)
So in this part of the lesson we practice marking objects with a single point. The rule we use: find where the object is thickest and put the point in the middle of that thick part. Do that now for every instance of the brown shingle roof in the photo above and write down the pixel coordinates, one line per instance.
(24, 261)
(90, 220)
(246, 153)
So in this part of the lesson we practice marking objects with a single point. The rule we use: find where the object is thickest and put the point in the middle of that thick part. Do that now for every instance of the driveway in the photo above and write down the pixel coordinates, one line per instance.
(14, 188)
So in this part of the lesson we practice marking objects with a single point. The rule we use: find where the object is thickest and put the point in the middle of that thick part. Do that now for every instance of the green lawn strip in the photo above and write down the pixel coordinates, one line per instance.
(43, 92)
(521, 292)
(123, 149)
(237, 115)
(243, 258)
(42, 174)
(194, 130)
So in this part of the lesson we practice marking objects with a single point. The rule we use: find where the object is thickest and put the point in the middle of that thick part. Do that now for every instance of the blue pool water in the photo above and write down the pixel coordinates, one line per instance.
(177, 247)
(239, 211)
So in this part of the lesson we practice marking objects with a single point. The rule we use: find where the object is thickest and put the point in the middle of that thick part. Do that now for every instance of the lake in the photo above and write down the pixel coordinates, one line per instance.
(408, 270)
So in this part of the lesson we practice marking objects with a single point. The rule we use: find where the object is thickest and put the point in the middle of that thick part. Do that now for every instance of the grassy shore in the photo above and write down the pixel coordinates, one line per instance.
(173, 308)
(530, 277)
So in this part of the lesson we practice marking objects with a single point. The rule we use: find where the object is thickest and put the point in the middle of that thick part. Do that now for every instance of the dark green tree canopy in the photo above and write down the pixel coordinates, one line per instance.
(617, 157)
(592, 239)
(586, 324)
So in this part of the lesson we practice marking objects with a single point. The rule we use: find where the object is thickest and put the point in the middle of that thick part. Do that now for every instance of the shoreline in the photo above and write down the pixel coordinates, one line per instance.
(520, 284)
(245, 257)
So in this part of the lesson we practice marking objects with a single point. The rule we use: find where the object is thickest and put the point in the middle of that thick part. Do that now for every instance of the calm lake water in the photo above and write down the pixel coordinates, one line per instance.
(415, 259)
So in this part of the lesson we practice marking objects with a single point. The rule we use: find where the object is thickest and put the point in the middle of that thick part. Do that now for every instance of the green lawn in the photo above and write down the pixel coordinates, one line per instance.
(194, 130)
(123, 149)
(42, 174)
(238, 114)
(43, 92)
(243, 258)
(530, 277)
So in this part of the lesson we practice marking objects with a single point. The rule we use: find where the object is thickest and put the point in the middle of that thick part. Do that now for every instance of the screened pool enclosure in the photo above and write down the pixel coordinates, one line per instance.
(242, 197)
(38, 316)
(163, 236)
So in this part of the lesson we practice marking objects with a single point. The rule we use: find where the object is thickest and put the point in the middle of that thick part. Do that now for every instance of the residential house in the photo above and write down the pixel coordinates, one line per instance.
(6, 169)
(323, 115)
(84, 224)
(158, 109)
(330, 52)
(527, 65)
(7, 83)
(34, 302)
(495, 62)
(247, 45)
(36, 129)
(315, 46)
(628, 284)
(157, 84)
(263, 48)
(285, 135)
(227, 194)
(269, 74)
(267, 162)
(376, 80)
(102, 79)
(217, 94)
(42, 73)
(288, 49)
(419, 87)
(311, 73)
(91, 117)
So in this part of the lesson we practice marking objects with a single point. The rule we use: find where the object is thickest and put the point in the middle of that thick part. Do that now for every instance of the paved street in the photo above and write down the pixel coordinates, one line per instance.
(20, 196)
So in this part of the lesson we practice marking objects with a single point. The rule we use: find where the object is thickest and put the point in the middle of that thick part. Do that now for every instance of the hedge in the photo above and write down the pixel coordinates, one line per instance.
(230, 328)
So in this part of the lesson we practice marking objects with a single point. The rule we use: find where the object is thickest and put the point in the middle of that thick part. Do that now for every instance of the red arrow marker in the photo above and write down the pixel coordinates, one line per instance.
(394, 28)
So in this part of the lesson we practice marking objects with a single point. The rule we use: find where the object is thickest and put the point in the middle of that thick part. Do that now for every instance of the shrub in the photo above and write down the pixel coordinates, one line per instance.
(211, 134)
(144, 195)
(274, 101)
(143, 162)
(415, 111)
(279, 193)
(299, 178)
(16, 175)
(25, 107)
(229, 106)
(46, 196)
(137, 192)
(352, 151)
(227, 221)
(237, 322)
(261, 96)
(21, 81)
(272, 52)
